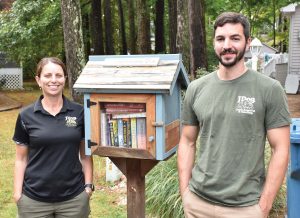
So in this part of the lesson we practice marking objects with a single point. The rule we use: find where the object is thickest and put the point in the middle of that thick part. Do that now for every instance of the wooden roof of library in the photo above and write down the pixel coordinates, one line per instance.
(132, 74)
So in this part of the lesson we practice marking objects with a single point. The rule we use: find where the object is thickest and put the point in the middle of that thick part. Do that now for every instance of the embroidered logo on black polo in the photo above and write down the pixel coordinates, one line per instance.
(71, 121)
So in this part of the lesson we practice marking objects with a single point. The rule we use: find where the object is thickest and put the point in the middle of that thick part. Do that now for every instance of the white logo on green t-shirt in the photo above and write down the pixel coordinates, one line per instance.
(245, 105)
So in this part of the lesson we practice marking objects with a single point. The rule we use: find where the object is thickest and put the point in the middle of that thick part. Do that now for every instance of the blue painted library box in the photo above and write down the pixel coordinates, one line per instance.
(132, 105)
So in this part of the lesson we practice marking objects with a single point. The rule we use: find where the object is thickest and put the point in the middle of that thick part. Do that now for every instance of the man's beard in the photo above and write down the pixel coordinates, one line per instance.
(236, 59)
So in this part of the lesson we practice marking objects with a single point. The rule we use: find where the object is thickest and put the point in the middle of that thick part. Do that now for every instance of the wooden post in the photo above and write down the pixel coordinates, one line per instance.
(135, 171)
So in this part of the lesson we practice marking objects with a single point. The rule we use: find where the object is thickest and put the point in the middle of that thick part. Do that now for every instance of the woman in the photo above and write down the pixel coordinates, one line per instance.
(53, 176)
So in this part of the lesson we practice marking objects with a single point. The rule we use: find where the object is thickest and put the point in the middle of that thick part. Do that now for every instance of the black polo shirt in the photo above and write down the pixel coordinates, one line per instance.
(54, 171)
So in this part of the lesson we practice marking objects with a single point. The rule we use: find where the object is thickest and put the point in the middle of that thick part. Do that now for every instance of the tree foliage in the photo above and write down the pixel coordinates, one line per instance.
(263, 16)
(30, 31)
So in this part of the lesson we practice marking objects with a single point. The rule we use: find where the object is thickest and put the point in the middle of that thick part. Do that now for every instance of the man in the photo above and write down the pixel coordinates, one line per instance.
(234, 108)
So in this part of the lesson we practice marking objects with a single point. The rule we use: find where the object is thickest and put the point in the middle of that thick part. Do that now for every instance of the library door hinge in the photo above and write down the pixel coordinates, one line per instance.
(90, 143)
(90, 103)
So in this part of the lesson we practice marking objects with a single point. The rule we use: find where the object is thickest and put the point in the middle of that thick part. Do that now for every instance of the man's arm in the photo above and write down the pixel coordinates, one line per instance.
(279, 139)
(186, 155)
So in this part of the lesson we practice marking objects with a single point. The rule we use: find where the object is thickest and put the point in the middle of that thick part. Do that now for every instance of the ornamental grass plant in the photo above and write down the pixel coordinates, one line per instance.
(162, 191)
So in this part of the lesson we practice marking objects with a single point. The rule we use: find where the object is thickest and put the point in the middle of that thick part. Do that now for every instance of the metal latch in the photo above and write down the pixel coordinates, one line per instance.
(158, 124)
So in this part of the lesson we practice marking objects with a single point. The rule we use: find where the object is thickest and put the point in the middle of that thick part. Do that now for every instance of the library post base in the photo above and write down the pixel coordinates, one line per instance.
(135, 171)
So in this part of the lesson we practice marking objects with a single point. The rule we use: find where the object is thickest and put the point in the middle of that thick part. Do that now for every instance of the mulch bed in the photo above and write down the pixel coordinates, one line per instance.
(7, 103)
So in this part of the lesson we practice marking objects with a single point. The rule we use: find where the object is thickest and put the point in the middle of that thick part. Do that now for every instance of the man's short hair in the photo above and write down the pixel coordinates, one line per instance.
(235, 18)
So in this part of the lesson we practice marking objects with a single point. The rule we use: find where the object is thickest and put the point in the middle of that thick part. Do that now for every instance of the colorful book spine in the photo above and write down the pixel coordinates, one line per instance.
(133, 132)
(128, 132)
(141, 133)
(129, 115)
(115, 132)
(124, 110)
(103, 129)
(111, 133)
(108, 119)
(124, 105)
(120, 133)
(125, 130)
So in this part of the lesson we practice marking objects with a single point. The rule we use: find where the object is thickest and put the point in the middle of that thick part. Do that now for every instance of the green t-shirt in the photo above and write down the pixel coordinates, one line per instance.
(233, 117)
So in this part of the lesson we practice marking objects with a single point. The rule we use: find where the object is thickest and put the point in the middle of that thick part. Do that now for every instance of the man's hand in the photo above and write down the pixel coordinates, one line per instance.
(265, 208)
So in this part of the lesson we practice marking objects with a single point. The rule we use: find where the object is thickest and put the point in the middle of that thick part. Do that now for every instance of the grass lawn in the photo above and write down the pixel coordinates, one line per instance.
(105, 200)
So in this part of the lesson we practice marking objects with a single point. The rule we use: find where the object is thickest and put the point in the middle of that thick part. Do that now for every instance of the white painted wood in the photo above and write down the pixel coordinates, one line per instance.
(291, 84)
(115, 62)
(145, 74)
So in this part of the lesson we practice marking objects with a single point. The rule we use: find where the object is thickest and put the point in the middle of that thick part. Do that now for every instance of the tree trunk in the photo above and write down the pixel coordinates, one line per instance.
(274, 22)
(108, 29)
(283, 24)
(86, 34)
(180, 26)
(285, 29)
(122, 25)
(143, 41)
(159, 27)
(132, 33)
(96, 28)
(172, 25)
(197, 36)
(182, 39)
(73, 41)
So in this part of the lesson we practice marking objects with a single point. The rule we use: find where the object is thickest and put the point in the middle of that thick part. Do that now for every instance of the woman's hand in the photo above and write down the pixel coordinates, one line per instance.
(89, 191)
(17, 197)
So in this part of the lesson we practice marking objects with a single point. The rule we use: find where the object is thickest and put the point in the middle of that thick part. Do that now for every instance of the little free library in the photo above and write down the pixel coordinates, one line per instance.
(132, 107)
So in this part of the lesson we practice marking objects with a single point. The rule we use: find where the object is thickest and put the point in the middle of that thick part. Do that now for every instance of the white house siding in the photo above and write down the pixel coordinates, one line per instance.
(294, 48)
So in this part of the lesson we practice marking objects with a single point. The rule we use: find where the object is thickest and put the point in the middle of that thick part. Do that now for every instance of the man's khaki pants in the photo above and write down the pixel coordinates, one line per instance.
(195, 207)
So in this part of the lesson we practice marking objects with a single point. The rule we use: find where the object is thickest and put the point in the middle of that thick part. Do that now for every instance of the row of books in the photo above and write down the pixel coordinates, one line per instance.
(123, 129)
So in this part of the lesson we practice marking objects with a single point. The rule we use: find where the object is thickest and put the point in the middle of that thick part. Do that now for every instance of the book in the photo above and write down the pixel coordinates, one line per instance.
(111, 133)
(108, 119)
(125, 130)
(128, 132)
(103, 129)
(120, 133)
(133, 132)
(124, 105)
(115, 133)
(141, 133)
(124, 110)
(128, 115)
